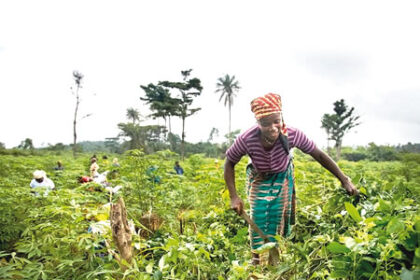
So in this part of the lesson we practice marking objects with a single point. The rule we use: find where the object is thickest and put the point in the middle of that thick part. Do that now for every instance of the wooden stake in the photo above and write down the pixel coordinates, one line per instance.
(121, 233)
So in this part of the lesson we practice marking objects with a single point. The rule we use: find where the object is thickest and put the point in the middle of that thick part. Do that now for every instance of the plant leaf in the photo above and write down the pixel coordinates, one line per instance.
(352, 212)
(335, 247)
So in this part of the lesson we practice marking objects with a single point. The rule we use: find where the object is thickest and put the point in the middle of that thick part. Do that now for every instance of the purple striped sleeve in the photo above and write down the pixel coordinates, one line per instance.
(237, 150)
(299, 140)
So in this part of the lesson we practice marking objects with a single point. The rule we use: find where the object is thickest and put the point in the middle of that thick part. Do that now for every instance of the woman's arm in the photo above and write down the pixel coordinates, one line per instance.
(235, 201)
(331, 166)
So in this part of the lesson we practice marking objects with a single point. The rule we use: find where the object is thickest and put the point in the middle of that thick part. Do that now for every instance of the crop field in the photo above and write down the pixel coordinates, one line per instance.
(183, 227)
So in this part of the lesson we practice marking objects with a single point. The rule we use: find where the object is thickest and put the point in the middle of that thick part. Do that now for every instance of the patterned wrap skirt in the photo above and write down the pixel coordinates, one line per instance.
(272, 199)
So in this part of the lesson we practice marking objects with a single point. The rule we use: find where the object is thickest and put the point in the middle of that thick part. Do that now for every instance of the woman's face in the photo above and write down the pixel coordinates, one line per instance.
(40, 180)
(270, 126)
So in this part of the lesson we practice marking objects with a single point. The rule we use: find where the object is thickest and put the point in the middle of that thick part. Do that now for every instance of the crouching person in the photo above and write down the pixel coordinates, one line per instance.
(40, 183)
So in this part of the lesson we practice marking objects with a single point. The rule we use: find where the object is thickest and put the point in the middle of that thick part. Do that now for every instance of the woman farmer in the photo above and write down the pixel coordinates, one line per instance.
(270, 176)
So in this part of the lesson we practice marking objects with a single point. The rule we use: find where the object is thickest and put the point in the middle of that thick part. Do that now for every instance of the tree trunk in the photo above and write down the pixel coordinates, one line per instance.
(182, 140)
(338, 151)
(328, 144)
(75, 123)
(121, 233)
(166, 124)
(230, 130)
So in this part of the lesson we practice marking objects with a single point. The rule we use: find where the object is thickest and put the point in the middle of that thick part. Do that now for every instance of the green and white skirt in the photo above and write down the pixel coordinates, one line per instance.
(273, 202)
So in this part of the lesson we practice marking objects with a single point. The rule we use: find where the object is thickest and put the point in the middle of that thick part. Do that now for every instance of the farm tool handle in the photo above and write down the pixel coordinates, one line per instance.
(254, 226)
(273, 256)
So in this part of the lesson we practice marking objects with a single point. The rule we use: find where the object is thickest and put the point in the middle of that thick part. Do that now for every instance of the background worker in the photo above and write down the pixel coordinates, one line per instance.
(59, 166)
(178, 169)
(94, 167)
(41, 182)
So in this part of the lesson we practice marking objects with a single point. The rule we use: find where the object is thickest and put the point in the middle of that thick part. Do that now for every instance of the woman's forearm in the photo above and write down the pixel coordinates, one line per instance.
(236, 202)
(230, 178)
(329, 164)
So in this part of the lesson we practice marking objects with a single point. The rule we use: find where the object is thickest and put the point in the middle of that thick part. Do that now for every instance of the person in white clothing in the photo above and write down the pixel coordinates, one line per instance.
(94, 167)
(41, 182)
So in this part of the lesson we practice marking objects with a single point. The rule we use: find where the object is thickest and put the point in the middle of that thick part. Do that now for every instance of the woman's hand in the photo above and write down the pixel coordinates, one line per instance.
(331, 166)
(349, 187)
(237, 204)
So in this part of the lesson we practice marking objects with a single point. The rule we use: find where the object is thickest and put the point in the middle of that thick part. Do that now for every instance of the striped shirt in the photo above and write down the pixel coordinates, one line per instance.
(274, 160)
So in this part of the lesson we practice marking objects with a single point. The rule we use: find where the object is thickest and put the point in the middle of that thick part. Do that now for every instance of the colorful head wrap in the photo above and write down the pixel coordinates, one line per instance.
(266, 105)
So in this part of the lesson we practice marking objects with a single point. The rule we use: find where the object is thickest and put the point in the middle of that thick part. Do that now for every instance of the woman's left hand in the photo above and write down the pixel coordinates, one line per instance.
(349, 187)
(331, 166)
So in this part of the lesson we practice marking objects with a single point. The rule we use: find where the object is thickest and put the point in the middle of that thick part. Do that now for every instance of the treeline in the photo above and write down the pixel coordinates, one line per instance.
(374, 152)
(116, 145)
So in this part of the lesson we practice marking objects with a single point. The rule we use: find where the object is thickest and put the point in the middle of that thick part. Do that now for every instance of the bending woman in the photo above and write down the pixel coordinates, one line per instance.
(270, 176)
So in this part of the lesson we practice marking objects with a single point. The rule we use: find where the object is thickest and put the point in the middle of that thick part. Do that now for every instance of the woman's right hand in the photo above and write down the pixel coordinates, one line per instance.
(237, 204)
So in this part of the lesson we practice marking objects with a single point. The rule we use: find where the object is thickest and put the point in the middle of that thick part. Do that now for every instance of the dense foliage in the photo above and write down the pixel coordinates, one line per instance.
(196, 235)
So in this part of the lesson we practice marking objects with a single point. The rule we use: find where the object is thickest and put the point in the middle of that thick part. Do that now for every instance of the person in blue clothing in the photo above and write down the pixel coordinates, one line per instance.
(151, 173)
(178, 168)
(59, 166)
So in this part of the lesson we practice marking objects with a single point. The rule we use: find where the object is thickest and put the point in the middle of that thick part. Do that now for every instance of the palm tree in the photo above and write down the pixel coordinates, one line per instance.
(227, 86)
(133, 114)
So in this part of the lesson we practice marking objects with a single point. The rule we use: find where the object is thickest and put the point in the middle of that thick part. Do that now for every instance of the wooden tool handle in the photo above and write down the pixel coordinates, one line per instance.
(254, 226)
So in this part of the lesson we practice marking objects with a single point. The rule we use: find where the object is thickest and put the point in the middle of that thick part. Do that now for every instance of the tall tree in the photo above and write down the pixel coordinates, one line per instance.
(26, 144)
(174, 142)
(112, 144)
(78, 77)
(133, 115)
(141, 136)
(227, 86)
(213, 133)
(160, 102)
(134, 133)
(338, 124)
(188, 89)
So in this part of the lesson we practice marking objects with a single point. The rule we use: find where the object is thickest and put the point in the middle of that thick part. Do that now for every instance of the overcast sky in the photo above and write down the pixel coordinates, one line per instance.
(310, 52)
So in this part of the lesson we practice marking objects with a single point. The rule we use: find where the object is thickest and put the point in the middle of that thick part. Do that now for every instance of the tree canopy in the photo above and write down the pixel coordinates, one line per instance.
(133, 115)
(338, 124)
(164, 105)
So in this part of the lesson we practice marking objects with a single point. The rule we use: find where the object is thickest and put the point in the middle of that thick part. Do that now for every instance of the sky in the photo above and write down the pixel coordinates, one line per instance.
(312, 53)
